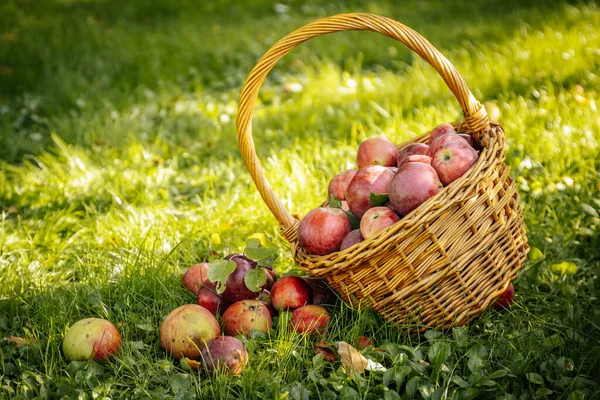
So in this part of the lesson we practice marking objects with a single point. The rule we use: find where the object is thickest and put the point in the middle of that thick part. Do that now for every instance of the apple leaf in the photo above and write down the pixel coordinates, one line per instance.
(379, 199)
(255, 279)
(218, 273)
(354, 220)
(257, 251)
(334, 202)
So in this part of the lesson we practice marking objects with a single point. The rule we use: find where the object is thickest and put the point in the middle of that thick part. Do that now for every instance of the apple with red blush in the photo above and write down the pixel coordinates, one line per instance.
(411, 150)
(290, 292)
(321, 291)
(362, 342)
(91, 339)
(310, 319)
(416, 158)
(187, 330)
(452, 160)
(376, 219)
(322, 230)
(235, 287)
(265, 298)
(225, 354)
(271, 277)
(370, 179)
(471, 140)
(376, 151)
(505, 299)
(195, 276)
(340, 182)
(412, 185)
(352, 238)
(244, 316)
(451, 137)
(209, 298)
(440, 130)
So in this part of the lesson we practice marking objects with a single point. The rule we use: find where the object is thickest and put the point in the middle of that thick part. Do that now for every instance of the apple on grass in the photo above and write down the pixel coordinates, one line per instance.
(225, 354)
(265, 298)
(322, 230)
(194, 277)
(235, 287)
(452, 160)
(411, 150)
(208, 298)
(310, 319)
(362, 342)
(351, 239)
(244, 316)
(412, 185)
(376, 151)
(321, 292)
(440, 130)
(91, 339)
(505, 299)
(187, 330)
(339, 183)
(371, 179)
(290, 292)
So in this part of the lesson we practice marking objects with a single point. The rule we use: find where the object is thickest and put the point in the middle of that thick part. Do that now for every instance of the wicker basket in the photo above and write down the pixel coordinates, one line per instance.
(443, 263)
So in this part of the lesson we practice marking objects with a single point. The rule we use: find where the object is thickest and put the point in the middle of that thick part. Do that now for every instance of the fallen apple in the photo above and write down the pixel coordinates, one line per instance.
(310, 319)
(244, 316)
(194, 277)
(235, 287)
(225, 354)
(91, 339)
(209, 299)
(505, 299)
(321, 291)
(187, 330)
(290, 292)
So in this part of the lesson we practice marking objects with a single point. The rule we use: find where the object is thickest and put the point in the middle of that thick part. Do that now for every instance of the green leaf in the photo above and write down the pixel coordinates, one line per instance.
(541, 392)
(535, 378)
(458, 381)
(218, 273)
(379, 199)
(477, 355)
(468, 394)
(179, 383)
(426, 389)
(255, 279)
(391, 395)
(256, 250)
(461, 337)
(432, 335)
(354, 220)
(438, 353)
(411, 387)
(498, 374)
(576, 395)
(334, 202)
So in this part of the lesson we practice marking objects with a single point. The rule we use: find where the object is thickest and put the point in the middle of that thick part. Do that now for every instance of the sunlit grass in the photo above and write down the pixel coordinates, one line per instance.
(120, 159)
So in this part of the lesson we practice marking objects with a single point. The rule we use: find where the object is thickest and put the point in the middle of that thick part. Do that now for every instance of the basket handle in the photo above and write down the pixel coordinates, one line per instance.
(476, 118)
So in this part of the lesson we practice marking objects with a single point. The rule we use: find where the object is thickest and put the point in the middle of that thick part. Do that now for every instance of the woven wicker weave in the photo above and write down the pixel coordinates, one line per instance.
(443, 263)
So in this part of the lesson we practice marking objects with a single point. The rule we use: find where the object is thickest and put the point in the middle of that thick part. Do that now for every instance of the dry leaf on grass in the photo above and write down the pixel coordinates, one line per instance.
(323, 348)
(353, 361)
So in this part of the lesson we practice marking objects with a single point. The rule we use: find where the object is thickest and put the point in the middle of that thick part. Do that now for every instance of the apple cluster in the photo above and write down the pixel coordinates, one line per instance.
(192, 331)
(387, 185)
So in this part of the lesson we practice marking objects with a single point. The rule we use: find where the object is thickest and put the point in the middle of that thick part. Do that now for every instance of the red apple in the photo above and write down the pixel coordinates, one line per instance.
(363, 342)
(290, 292)
(225, 354)
(451, 137)
(322, 230)
(410, 150)
(416, 158)
(310, 319)
(209, 299)
(351, 239)
(91, 339)
(505, 299)
(370, 179)
(339, 183)
(440, 130)
(376, 151)
(271, 277)
(265, 298)
(187, 330)
(195, 276)
(376, 219)
(235, 287)
(452, 160)
(470, 139)
(321, 292)
(245, 315)
(413, 184)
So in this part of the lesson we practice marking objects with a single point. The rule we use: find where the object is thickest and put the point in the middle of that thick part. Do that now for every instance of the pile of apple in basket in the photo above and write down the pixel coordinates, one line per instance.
(388, 185)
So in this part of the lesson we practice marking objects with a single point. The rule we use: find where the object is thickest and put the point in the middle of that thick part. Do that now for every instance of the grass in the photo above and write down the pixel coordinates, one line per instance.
(119, 159)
